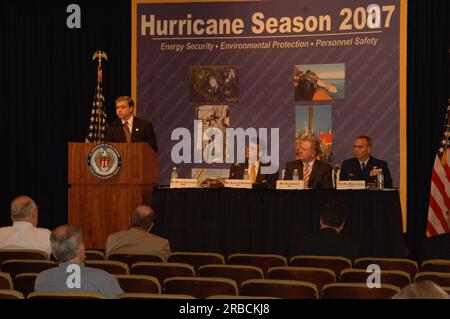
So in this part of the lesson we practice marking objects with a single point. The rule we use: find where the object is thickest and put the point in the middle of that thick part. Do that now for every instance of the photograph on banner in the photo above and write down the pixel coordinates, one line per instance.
(315, 122)
(214, 83)
(217, 117)
(319, 82)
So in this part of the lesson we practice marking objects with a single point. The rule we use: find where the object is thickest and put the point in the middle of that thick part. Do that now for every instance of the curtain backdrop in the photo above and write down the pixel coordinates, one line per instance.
(428, 91)
(48, 81)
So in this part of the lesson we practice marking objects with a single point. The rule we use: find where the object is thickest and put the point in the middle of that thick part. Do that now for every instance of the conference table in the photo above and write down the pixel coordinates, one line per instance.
(229, 221)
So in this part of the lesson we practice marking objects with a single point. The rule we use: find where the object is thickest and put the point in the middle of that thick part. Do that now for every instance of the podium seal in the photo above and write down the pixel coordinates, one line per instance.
(104, 161)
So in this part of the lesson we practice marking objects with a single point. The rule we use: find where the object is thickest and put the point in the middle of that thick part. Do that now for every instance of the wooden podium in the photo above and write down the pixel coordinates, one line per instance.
(101, 207)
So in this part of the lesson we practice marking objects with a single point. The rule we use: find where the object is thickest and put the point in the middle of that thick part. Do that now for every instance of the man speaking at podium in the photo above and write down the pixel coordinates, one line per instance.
(128, 128)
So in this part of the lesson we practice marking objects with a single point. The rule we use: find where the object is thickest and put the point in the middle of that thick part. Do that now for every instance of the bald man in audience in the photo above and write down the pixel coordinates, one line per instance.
(24, 234)
(138, 238)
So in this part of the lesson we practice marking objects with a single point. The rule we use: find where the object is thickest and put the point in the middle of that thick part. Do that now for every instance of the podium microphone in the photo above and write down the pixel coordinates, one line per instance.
(336, 173)
(234, 170)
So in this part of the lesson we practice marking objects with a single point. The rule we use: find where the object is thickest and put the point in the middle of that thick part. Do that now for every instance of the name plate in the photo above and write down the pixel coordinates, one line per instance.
(290, 184)
(183, 183)
(341, 185)
(238, 183)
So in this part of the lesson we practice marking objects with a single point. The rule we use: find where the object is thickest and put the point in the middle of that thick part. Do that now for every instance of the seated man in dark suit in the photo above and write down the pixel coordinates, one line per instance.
(128, 128)
(328, 241)
(364, 166)
(253, 166)
(315, 173)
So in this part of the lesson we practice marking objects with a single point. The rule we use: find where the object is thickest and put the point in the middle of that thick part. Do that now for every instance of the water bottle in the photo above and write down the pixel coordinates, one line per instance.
(295, 176)
(380, 179)
(245, 176)
(174, 173)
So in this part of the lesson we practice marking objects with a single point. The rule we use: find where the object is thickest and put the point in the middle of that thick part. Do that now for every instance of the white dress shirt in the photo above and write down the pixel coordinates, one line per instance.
(23, 235)
(129, 122)
(256, 168)
(310, 164)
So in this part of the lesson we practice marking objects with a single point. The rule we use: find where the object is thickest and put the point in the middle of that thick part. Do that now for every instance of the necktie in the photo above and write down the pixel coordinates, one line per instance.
(306, 174)
(126, 129)
(363, 166)
(252, 173)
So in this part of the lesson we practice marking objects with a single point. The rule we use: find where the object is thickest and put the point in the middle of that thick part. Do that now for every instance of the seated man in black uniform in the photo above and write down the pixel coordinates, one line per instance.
(329, 240)
(128, 128)
(253, 166)
(364, 166)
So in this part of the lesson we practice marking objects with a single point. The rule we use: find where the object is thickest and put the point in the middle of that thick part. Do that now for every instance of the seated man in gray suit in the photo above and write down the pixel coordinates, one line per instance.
(138, 239)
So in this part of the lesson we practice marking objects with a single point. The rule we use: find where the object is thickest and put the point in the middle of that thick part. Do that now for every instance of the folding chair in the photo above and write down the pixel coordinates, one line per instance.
(139, 284)
(196, 259)
(316, 276)
(358, 291)
(403, 264)
(200, 287)
(132, 258)
(286, 289)
(6, 281)
(153, 296)
(10, 294)
(111, 266)
(392, 277)
(19, 266)
(334, 263)
(442, 279)
(94, 255)
(67, 295)
(6, 254)
(238, 273)
(25, 282)
(436, 265)
(263, 261)
(162, 270)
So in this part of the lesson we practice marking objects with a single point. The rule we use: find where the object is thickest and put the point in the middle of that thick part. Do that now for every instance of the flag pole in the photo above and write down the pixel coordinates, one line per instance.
(99, 55)
(97, 121)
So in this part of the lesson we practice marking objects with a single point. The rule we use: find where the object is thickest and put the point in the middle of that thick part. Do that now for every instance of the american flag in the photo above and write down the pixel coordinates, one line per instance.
(97, 121)
(438, 211)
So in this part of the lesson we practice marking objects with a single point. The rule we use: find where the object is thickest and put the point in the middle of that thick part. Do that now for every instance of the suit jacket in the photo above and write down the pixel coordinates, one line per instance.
(270, 180)
(351, 170)
(320, 177)
(142, 131)
(137, 241)
(326, 242)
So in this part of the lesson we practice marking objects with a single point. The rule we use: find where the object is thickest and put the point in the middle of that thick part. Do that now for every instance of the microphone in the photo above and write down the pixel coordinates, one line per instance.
(336, 173)
(234, 170)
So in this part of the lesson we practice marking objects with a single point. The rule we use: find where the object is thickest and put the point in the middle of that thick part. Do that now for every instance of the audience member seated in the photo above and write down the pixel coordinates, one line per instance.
(24, 234)
(422, 290)
(138, 239)
(68, 248)
(329, 240)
